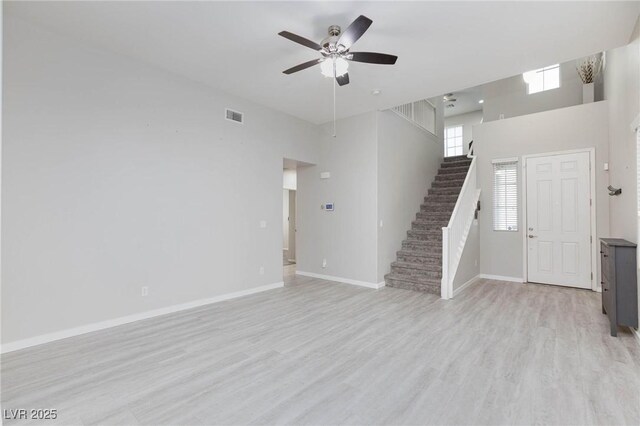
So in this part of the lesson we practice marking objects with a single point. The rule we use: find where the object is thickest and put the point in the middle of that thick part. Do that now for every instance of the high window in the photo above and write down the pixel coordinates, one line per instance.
(453, 141)
(505, 196)
(542, 79)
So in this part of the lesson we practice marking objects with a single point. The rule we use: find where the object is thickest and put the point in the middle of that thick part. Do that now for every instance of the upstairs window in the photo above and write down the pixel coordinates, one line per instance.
(505, 195)
(453, 141)
(546, 78)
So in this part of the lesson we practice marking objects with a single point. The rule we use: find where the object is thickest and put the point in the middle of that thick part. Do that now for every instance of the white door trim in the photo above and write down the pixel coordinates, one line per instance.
(595, 283)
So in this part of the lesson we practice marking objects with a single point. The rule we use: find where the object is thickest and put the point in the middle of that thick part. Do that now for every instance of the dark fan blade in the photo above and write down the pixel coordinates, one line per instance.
(343, 79)
(300, 40)
(354, 31)
(302, 66)
(373, 58)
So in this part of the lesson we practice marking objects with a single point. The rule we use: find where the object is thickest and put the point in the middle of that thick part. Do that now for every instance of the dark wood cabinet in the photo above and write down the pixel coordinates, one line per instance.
(619, 282)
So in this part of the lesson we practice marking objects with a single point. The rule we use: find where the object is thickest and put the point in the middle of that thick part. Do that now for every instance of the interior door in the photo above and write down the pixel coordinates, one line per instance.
(559, 220)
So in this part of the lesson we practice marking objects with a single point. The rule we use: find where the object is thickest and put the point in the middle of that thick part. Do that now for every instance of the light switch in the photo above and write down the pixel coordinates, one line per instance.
(606, 166)
(263, 224)
(325, 175)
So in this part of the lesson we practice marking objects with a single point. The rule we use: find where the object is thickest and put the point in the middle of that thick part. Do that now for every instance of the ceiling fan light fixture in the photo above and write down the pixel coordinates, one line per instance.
(341, 65)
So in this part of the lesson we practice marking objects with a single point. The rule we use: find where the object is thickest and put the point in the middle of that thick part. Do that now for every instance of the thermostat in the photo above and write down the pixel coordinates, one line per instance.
(327, 207)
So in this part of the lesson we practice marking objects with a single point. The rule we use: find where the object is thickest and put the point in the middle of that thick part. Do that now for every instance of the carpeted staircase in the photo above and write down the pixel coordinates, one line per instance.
(419, 263)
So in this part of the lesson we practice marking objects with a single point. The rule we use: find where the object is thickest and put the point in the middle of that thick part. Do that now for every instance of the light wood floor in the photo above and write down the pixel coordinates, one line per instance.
(317, 352)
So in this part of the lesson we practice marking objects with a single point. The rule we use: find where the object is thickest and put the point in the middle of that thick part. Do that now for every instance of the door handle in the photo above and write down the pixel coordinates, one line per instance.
(532, 236)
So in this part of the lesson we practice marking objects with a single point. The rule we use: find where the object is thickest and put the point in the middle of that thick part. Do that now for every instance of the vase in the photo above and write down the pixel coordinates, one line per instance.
(588, 94)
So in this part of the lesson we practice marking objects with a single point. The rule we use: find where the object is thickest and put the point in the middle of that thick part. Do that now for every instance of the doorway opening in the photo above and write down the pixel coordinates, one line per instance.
(289, 189)
(289, 207)
(292, 194)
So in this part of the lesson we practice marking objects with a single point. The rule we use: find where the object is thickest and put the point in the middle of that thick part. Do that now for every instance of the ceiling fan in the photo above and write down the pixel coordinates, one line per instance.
(335, 50)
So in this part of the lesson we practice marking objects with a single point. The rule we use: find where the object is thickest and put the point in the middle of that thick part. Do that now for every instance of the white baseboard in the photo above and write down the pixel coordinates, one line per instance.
(636, 333)
(502, 278)
(70, 332)
(341, 280)
(465, 285)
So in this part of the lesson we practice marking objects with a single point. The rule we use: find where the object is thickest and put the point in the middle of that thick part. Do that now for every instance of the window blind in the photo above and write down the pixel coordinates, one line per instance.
(505, 196)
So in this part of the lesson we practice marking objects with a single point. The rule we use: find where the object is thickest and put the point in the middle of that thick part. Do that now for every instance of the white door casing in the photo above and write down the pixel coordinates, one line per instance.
(292, 225)
(558, 228)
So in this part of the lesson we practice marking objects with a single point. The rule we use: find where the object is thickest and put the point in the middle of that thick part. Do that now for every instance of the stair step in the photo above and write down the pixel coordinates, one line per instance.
(456, 158)
(441, 198)
(411, 274)
(425, 235)
(437, 207)
(452, 170)
(428, 225)
(412, 283)
(430, 270)
(426, 246)
(457, 177)
(415, 256)
(434, 215)
(439, 221)
(446, 164)
(447, 183)
(445, 190)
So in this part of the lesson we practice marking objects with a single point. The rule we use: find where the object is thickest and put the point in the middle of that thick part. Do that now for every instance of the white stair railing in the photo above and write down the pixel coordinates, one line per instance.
(454, 235)
(421, 113)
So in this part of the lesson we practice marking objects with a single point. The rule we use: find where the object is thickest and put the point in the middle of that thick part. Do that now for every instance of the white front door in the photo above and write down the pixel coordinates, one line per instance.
(558, 227)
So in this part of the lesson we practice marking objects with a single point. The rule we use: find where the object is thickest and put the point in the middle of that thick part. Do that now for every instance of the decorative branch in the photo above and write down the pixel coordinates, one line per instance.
(589, 68)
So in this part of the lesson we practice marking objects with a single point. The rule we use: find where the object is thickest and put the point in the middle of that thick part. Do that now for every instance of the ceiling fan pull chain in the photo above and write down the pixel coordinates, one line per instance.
(334, 99)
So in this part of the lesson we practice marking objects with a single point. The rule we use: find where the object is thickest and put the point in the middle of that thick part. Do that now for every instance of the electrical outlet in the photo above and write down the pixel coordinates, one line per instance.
(144, 291)
(324, 263)
(261, 270)
(263, 224)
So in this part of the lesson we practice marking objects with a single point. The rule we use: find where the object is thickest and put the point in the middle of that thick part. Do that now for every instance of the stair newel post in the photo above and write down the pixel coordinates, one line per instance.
(444, 292)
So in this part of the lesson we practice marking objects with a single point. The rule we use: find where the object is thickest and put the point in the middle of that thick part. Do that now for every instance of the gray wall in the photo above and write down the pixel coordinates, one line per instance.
(381, 168)
(347, 236)
(408, 160)
(467, 121)
(582, 126)
(117, 175)
(509, 96)
(622, 90)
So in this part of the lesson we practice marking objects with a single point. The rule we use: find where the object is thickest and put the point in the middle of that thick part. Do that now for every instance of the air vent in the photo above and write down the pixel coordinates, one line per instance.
(233, 115)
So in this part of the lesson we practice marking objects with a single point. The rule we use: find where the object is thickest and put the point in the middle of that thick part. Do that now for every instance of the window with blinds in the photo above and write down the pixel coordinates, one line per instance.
(505, 196)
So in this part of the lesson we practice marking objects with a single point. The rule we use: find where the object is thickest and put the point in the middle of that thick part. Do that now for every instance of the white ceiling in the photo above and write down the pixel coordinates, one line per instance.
(442, 46)
(466, 101)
